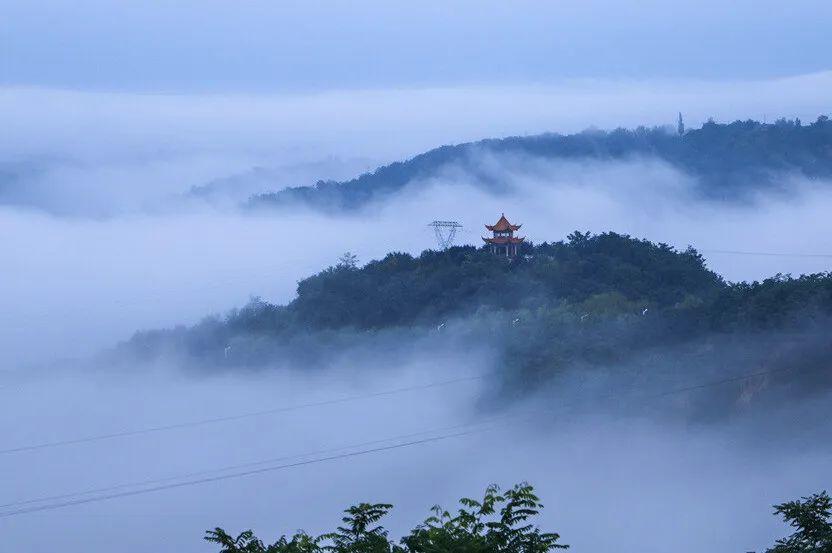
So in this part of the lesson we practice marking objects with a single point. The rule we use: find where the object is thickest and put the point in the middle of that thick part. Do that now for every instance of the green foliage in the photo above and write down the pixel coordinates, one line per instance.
(811, 517)
(590, 302)
(402, 290)
(247, 542)
(596, 277)
(359, 533)
(775, 302)
(499, 523)
(347, 261)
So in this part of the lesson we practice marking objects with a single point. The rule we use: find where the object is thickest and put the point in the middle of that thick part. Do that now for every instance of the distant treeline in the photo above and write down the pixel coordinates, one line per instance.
(591, 302)
(727, 160)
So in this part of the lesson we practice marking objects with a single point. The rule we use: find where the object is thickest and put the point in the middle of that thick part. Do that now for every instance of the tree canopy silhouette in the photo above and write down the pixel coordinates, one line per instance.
(501, 522)
(811, 517)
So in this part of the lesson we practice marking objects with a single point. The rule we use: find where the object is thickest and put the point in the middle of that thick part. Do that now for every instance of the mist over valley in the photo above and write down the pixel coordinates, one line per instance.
(224, 306)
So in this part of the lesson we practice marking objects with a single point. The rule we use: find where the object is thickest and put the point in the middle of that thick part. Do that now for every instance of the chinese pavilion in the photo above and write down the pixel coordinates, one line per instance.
(504, 242)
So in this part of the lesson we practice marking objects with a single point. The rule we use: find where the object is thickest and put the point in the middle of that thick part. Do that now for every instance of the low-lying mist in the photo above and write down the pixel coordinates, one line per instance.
(96, 154)
(80, 285)
(102, 237)
(609, 482)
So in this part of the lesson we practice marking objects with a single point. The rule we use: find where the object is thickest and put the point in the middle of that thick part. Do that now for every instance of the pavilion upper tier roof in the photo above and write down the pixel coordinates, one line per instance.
(503, 225)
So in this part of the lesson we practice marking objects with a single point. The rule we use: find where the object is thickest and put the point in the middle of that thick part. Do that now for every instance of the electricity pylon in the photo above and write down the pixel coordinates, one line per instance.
(445, 232)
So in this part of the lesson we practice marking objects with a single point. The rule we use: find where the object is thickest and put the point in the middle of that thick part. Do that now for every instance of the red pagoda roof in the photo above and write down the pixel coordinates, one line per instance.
(503, 225)
(505, 240)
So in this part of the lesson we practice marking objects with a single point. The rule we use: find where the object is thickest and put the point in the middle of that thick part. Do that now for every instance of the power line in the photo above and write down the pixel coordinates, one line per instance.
(352, 446)
(770, 254)
(241, 474)
(192, 482)
(726, 252)
(236, 466)
(214, 420)
(241, 416)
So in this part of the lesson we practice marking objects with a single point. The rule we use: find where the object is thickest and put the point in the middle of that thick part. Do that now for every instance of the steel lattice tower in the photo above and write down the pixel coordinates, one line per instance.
(445, 232)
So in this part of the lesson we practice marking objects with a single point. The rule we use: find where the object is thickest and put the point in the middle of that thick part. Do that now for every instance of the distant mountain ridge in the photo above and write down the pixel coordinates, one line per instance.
(727, 160)
(240, 186)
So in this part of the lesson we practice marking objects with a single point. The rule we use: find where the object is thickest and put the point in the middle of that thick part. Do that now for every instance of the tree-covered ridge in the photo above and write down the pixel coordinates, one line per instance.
(725, 159)
(604, 304)
(599, 276)
(635, 293)
(776, 302)
(604, 273)
(403, 290)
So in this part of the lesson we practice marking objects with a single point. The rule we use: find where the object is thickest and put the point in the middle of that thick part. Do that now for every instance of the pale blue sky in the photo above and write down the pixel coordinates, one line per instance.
(269, 45)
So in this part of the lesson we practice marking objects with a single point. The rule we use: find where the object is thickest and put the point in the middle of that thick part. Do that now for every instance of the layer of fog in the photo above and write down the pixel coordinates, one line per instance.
(74, 286)
(97, 153)
(623, 483)
(77, 285)
(111, 187)
(133, 255)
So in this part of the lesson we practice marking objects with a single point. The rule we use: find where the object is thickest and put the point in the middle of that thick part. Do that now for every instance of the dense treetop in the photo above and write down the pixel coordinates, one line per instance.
(811, 519)
(501, 522)
(610, 304)
(600, 281)
(401, 290)
(605, 274)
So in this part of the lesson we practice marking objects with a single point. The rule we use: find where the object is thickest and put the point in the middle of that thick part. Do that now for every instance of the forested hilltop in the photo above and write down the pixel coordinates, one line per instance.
(603, 302)
(726, 160)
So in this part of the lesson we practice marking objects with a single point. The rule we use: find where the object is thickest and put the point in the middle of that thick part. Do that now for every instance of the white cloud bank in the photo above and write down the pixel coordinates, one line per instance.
(381, 124)
(628, 485)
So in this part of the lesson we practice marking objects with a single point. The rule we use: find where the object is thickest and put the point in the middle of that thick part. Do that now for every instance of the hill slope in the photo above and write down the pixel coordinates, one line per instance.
(610, 303)
(727, 160)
